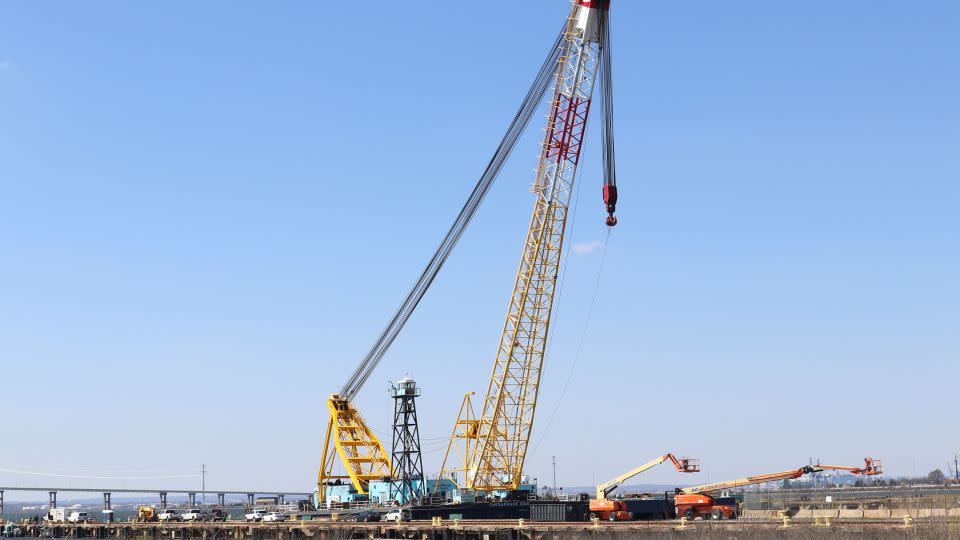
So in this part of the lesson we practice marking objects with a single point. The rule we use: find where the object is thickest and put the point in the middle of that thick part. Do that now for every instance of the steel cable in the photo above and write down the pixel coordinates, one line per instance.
(517, 126)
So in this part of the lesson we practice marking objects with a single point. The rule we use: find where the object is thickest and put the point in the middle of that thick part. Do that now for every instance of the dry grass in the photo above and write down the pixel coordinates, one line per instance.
(925, 531)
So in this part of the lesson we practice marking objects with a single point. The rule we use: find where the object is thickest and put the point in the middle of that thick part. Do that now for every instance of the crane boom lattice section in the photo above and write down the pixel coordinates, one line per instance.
(508, 410)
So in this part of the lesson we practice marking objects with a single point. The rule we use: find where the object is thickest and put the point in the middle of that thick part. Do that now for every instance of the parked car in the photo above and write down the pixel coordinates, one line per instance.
(219, 514)
(11, 530)
(255, 515)
(400, 514)
(196, 514)
(78, 517)
(366, 517)
(274, 517)
(169, 516)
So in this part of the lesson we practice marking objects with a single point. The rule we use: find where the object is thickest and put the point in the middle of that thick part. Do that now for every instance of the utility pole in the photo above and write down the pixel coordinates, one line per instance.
(555, 475)
(203, 483)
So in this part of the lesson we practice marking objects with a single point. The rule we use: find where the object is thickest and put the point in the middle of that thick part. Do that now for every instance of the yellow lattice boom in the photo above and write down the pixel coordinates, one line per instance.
(360, 451)
(462, 441)
(510, 404)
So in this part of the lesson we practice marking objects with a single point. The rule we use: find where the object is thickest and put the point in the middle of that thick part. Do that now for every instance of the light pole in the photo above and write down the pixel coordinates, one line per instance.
(555, 475)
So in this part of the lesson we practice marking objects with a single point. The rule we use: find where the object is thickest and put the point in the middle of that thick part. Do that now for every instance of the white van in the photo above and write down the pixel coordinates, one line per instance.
(78, 517)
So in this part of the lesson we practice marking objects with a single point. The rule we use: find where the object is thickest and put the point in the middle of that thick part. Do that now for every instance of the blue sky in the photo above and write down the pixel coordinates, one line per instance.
(209, 210)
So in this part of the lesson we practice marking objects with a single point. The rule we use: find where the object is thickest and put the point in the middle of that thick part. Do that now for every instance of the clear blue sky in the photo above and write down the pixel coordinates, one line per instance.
(209, 210)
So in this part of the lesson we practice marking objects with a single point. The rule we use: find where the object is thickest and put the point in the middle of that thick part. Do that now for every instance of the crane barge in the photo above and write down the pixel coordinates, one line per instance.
(579, 57)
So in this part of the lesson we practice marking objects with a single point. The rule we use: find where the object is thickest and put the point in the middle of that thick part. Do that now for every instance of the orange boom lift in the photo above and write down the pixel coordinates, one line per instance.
(696, 501)
(615, 510)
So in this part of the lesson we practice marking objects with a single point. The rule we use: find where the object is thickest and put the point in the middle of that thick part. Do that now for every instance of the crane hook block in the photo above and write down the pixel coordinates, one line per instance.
(610, 199)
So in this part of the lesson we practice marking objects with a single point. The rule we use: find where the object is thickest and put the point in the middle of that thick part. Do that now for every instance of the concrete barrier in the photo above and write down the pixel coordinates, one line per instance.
(826, 513)
(851, 514)
(759, 514)
(803, 513)
(953, 512)
(932, 512)
(876, 514)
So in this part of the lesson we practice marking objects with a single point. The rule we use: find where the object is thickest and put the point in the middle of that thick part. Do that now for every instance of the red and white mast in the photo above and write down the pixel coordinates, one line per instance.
(506, 420)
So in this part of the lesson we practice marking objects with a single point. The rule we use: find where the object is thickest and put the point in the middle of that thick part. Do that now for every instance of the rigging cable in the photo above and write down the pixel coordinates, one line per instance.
(583, 337)
(517, 126)
(609, 152)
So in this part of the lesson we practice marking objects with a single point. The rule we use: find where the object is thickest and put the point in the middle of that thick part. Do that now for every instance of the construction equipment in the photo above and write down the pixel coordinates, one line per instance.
(577, 56)
(871, 467)
(507, 414)
(614, 510)
(146, 514)
(465, 430)
(695, 501)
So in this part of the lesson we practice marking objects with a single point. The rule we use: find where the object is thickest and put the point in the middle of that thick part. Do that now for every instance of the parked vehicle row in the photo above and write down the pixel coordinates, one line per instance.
(65, 515)
(369, 516)
(193, 514)
(169, 515)
(259, 514)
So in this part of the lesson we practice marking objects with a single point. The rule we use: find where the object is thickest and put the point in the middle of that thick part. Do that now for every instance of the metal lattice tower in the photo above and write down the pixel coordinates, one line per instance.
(407, 482)
(508, 410)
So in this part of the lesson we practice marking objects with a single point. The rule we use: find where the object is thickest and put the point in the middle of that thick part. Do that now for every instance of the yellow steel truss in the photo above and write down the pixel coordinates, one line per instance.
(509, 407)
(360, 451)
(465, 431)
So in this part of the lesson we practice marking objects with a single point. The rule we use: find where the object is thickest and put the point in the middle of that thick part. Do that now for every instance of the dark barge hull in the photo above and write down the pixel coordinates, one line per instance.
(530, 510)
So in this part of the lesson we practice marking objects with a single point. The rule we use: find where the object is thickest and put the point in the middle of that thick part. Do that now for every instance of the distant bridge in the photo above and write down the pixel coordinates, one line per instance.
(191, 494)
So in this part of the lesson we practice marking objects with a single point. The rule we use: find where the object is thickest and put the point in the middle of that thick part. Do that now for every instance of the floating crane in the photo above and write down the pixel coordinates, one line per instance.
(580, 54)
(507, 414)
(604, 508)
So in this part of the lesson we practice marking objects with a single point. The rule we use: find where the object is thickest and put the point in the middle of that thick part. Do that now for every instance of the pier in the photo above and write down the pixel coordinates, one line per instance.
(491, 530)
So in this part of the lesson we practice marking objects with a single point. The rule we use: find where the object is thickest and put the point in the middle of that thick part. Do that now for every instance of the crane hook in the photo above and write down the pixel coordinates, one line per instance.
(610, 199)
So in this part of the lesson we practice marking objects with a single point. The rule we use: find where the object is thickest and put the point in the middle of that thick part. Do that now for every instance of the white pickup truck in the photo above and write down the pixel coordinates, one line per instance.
(256, 514)
(195, 514)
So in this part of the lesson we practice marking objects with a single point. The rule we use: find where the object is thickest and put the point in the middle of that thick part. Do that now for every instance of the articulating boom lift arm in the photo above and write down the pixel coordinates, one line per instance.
(684, 465)
(871, 467)
(748, 480)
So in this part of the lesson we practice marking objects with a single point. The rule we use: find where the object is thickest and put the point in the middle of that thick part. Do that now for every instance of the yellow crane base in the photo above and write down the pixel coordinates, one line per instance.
(360, 451)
